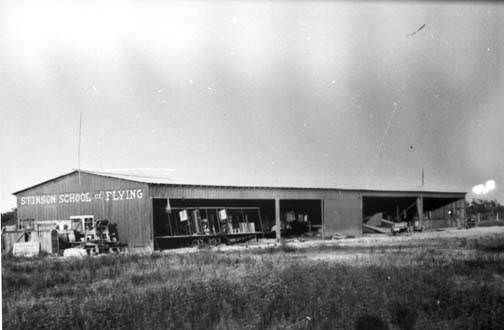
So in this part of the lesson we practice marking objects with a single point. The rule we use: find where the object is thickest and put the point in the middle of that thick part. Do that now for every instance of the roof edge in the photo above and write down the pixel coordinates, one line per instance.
(44, 182)
(76, 171)
(102, 174)
(312, 188)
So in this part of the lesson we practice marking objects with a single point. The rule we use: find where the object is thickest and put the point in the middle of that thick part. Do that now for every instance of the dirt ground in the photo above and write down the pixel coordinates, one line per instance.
(427, 238)
(377, 240)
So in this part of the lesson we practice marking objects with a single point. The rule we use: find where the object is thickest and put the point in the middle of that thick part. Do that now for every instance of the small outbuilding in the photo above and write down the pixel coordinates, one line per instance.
(155, 212)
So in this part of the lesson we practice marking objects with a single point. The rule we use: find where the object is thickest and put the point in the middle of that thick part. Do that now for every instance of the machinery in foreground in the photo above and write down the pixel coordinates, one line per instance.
(78, 236)
(85, 233)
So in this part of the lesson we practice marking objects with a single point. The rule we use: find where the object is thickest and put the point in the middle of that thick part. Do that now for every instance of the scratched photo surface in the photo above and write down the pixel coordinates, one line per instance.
(386, 110)
(309, 93)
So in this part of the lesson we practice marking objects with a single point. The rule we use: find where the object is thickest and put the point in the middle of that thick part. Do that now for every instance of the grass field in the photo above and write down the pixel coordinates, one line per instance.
(437, 284)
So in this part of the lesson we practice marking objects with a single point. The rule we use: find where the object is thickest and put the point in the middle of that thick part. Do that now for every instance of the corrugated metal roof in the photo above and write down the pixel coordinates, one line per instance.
(167, 177)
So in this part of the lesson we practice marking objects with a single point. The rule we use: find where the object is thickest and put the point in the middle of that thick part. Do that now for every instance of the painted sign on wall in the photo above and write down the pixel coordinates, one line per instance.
(82, 197)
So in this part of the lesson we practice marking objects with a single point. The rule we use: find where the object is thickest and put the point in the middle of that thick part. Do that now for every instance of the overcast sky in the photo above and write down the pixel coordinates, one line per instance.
(309, 92)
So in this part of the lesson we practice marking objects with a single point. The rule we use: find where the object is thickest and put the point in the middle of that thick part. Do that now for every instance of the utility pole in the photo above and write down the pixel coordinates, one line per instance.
(79, 148)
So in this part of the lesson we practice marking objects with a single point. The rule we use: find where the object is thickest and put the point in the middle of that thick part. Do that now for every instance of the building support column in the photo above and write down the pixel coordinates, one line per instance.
(322, 212)
(419, 203)
(462, 212)
(277, 219)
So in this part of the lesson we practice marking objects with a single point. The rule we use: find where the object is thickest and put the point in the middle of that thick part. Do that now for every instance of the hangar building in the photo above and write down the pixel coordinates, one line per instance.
(153, 212)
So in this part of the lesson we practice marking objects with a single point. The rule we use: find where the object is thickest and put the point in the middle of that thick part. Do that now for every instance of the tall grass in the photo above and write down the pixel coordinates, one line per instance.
(405, 287)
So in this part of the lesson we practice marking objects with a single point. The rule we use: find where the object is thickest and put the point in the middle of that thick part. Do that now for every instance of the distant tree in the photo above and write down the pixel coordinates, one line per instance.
(484, 206)
(10, 217)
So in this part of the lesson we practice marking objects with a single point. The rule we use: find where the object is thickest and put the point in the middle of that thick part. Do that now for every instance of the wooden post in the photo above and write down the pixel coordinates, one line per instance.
(420, 210)
(322, 212)
(277, 219)
(462, 212)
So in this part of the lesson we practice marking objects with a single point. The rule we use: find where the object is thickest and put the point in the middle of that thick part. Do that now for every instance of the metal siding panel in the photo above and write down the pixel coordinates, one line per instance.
(148, 208)
(342, 211)
(206, 192)
(343, 215)
(412, 194)
(133, 216)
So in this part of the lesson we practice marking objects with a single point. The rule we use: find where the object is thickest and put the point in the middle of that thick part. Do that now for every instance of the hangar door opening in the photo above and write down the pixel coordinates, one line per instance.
(182, 222)
(379, 214)
(300, 217)
(443, 212)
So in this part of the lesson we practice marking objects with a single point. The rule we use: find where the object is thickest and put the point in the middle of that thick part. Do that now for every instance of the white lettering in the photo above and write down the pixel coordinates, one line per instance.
(82, 197)
(132, 194)
(38, 200)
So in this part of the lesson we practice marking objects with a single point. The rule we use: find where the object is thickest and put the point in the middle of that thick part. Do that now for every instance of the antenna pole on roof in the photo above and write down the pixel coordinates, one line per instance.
(79, 147)
(423, 177)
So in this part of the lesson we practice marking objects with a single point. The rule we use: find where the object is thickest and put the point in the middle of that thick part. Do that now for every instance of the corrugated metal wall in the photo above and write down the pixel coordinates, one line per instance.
(457, 207)
(124, 202)
(129, 203)
(343, 214)
(342, 211)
